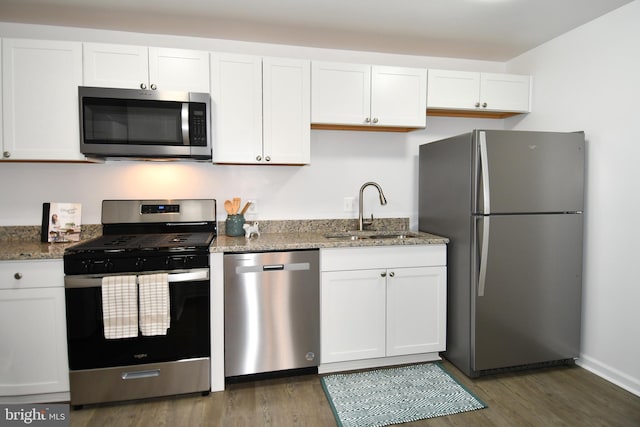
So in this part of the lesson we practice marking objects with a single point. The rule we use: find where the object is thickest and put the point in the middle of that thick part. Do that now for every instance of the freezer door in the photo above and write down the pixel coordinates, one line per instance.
(525, 172)
(526, 309)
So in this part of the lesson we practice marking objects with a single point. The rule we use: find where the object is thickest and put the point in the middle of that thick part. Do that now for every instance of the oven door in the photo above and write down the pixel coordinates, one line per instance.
(188, 335)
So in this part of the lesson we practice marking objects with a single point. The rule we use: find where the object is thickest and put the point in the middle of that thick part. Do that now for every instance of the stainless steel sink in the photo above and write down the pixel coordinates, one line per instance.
(370, 235)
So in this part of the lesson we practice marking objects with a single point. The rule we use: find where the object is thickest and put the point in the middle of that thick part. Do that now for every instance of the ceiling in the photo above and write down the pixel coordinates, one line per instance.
(495, 30)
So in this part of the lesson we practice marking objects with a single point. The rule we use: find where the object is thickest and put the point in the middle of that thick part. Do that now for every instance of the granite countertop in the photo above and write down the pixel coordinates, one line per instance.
(22, 242)
(313, 240)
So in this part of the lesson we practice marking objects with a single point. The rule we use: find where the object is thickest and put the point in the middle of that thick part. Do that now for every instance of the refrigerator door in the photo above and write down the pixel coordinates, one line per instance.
(527, 307)
(524, 172)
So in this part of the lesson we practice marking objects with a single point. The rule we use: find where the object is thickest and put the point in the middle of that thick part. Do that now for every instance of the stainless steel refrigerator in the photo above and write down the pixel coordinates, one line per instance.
(511, 203)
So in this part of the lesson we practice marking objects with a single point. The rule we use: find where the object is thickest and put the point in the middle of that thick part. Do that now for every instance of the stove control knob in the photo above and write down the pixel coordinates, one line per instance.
(140, 263)
(108, 265)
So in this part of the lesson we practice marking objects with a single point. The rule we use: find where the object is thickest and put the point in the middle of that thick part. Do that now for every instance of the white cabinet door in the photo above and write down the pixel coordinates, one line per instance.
(353, 315)
(236, 98)
(286, 110)
(416, 310)
(505, 92)
(139, 67)
(453, 89)
(118, 66)
(33, 354)
(365, 95)
(465, 90)
(340, 93)
(398, 96)
(40, 82)
(260, 110)
(179, 69)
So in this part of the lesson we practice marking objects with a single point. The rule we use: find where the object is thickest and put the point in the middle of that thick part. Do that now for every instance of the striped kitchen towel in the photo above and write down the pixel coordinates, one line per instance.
(120, 307)
(154, 304)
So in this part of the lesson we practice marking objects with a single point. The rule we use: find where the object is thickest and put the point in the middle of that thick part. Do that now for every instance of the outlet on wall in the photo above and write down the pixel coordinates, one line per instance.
(253, 207)
(348, 204)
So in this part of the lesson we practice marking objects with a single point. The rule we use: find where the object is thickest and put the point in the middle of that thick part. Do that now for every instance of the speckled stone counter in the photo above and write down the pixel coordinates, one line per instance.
(23, 242)
(312, 234)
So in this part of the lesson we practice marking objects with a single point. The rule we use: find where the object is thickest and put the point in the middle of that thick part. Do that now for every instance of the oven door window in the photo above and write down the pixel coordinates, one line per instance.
(135, 122)
(188, 335)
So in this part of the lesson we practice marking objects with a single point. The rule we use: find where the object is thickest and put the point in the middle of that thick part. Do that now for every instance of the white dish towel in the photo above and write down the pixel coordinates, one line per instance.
(120, 307)
(154, 304)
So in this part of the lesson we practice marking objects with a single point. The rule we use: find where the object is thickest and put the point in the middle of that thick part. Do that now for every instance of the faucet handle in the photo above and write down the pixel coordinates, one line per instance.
(368, 221)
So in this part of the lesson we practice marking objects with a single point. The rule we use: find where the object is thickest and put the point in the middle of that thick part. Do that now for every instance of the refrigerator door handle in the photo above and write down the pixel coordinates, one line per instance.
(484, 165)
(484, 255)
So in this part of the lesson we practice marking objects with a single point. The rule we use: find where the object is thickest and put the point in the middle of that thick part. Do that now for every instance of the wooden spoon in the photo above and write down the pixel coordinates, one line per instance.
(228, 206)
(244, 209)
(236, 205)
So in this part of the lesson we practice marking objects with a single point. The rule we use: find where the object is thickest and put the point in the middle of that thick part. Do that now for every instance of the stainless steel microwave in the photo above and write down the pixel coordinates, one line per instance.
(144, 124)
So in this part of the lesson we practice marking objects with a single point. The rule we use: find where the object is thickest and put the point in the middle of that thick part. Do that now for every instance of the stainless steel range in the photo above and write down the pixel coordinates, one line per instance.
(138, 302)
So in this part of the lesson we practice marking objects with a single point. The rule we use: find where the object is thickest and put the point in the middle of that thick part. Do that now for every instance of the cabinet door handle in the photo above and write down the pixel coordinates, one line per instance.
(484, 105)
(375, 120)
(258, 158)
(383, 274)
(18, 276)
(153, 86)
(6, 154)
(268, 158)
(477, 105)
(367, 120)
(143, 86)
(392, 274)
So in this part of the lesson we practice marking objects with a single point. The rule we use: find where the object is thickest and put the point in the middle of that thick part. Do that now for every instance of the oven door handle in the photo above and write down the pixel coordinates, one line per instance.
(175, 276)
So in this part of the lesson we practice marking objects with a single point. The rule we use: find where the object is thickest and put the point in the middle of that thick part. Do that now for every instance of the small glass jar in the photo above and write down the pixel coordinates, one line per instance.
(233, 225)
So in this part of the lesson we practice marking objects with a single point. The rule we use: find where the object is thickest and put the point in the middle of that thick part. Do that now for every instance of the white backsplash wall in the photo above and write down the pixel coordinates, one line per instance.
(341, 161)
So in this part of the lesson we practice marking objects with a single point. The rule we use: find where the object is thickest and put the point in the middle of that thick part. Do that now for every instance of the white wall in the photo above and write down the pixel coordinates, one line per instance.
(340, 161)
(588, 79)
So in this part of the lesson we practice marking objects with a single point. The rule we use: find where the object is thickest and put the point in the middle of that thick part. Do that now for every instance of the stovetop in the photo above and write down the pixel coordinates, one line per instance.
(144, 242)
(147, 235)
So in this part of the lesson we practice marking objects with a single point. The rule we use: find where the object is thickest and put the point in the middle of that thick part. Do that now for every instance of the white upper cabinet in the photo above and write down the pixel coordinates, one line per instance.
(365, 95)
(491, 92)
(40, 80)
(140, 67)
(261, 109)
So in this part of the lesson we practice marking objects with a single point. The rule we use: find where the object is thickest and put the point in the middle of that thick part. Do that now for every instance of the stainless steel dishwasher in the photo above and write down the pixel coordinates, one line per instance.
(272, 311)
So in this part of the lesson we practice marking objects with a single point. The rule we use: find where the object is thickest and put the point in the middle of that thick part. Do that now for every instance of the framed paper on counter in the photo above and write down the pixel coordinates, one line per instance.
(60, 222)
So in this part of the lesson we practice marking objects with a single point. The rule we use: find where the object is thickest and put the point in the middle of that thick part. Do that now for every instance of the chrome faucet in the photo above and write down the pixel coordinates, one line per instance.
(383, 201)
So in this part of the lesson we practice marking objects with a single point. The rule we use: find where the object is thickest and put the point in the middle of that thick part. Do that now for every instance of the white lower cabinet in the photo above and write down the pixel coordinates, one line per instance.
(33, 354)
(382, 305)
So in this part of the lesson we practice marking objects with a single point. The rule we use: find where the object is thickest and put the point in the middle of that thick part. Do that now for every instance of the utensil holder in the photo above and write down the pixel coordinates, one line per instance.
(233, 225)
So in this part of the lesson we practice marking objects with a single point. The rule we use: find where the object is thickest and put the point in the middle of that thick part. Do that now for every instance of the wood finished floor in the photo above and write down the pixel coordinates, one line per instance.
(560, 396)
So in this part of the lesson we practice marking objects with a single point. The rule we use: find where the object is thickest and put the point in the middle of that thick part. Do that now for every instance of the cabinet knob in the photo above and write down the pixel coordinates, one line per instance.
(367, 120)
(143, 86)
(392, 274)
(6, 154)
(259, 158)
(383, 274)
(375, 120)
(268, 158)
(477, 105)
(18, 276)
(484, 105)
(153, 86)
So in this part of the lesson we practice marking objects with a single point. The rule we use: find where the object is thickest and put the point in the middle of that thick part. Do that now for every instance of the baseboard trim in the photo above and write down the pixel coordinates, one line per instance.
(610, 374)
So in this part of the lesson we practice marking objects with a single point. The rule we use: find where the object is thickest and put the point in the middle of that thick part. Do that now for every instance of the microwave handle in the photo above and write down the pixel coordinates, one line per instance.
(185, 123)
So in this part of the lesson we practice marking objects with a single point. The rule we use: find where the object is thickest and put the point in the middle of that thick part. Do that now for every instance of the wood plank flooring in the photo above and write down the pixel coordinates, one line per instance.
(559, 396)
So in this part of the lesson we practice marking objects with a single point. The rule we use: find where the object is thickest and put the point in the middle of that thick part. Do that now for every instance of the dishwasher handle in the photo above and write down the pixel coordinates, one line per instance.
(296, 266)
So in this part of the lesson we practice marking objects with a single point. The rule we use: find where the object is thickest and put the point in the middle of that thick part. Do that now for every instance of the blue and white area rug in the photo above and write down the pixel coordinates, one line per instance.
(396, 395)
